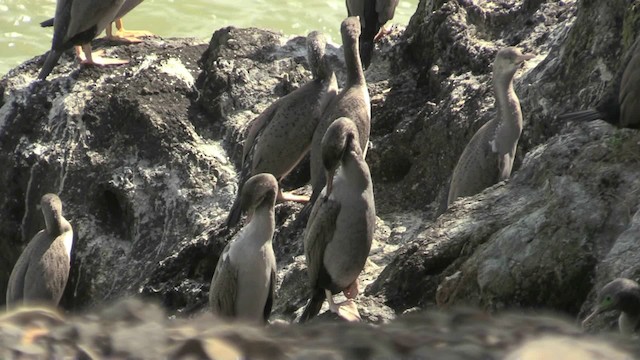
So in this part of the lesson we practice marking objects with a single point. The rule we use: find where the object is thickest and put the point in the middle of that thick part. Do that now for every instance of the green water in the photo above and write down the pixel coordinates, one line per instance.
(21, 36)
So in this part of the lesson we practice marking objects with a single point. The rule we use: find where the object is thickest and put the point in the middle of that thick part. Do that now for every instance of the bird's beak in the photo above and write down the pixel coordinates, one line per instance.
(588, 318)
(329, 183)
(524, 57)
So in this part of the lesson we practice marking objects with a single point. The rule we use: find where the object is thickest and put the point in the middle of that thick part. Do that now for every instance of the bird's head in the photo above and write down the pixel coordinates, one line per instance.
(260, 189)
(340, 138)
(508, 60)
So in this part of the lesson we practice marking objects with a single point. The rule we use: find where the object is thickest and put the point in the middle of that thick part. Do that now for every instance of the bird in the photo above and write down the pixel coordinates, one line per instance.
(121, 33)
(621, 105)
(243, 284)
(620, 294)
(488, 157)
(338, 235)
(373, 15)
(77, 22)
(280, 137)
(41, 272)
(353, 102)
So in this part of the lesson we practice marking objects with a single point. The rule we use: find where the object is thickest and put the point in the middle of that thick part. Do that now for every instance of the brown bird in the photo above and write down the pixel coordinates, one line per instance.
(352, 102)
(243, 285)
(41, 272)
(621, 106)
(281, 135)
(373, 15)
(340, 229)
(488, 157)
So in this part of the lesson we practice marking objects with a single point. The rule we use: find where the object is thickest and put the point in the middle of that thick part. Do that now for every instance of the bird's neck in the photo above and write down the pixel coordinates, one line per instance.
(56, 224)
(628, 323)
(355, 168)
(323, 71)
(507, 102)
(355, 74)
(262, 224)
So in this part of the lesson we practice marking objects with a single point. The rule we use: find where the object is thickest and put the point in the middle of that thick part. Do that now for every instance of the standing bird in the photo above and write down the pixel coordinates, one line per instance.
(621, 106)
(352, 102)
(121, 33)
(77, 22)
(488, 157)
(624, 295)
(339, 232)
(243, 285)
(42, 270)
(373, 15)
(281, 135)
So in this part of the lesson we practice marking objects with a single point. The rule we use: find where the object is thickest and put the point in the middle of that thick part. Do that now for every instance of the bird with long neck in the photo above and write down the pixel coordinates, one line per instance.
(621, 104)
(489, 155)
(353, 102)
(340, 229)
(623, 295)
(41, 272)
(77, 22)
(373, 15)
(280, 137)
(243, 284)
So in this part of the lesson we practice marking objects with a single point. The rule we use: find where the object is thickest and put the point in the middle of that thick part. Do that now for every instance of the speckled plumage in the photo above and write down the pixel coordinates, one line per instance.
(281, 135)
(489, 155)
(353, 102)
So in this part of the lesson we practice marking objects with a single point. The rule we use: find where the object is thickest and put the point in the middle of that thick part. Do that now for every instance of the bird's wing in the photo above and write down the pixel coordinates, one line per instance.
(86, 14)
(318, 234)
(224, 286)
(256, 128)
(272, 295)
(386, 9)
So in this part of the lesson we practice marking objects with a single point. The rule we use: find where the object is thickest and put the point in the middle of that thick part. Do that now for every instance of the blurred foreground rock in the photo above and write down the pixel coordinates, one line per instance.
(132, 329)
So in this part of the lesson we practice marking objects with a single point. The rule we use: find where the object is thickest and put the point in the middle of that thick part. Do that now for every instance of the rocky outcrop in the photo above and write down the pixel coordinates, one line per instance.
(144, 158)
(134, 330)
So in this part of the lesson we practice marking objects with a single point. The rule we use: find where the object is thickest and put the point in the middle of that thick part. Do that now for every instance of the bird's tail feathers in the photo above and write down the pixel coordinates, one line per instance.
(582, 115)
(47, 23)
(49, 63)
(313, 307)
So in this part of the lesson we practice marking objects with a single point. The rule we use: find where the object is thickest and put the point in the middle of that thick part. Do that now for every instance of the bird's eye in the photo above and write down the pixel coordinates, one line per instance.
(607, 299)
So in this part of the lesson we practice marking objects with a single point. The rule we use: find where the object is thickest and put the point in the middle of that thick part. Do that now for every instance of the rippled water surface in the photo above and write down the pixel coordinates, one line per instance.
(21, 36)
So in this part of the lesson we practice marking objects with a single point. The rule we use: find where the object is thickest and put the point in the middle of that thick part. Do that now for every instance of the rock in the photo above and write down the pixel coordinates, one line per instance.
(144, 157)
(135, 330)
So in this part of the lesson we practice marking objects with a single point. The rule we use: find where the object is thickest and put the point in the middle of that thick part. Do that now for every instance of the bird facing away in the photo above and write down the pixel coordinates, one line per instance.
(244, 281)
(340, 229)
(623, 295)
(373, 15)
(281, 135)
(77, 22)
(42, 270)
(122, 34)
(488, 157)
(621, 106)
(353, 102)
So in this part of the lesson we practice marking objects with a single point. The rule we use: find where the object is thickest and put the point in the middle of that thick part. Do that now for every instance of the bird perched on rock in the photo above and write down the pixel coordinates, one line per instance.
(373, 15)
(623, 295)
(244, 281)
(41, 272)
(77, 22)
(352, 102)
(340, 229)
(281, 135)
(621, 105)
(121, 34)
(488, 157)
